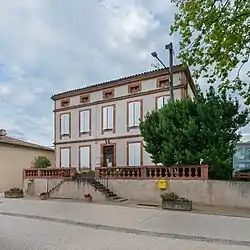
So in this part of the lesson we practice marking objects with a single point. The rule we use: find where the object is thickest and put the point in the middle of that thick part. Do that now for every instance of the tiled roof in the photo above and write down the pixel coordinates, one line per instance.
(132, 77)
(15, 142)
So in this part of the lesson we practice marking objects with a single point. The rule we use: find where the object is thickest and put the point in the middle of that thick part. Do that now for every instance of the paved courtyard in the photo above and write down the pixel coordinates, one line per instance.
(34, 224)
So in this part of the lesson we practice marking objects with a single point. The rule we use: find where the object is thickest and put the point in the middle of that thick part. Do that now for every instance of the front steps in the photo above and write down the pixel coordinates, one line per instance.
(110, 195)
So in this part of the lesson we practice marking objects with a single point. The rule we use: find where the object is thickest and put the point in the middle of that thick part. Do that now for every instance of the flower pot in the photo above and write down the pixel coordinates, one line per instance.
(177, 205)
(88, 199)
(43, 196)
(9, 194)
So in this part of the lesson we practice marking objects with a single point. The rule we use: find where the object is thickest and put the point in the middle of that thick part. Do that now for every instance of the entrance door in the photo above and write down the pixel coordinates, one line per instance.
(108, 152)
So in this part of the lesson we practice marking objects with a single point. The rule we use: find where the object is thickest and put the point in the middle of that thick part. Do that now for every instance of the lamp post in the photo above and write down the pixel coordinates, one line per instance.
(154, 54)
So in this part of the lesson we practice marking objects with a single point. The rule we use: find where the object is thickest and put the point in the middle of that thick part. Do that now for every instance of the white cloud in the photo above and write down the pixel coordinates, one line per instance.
(51, 46)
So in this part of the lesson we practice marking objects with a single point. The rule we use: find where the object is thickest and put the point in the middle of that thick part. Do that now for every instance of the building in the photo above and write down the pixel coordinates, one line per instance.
(98, 125)
(15, 156)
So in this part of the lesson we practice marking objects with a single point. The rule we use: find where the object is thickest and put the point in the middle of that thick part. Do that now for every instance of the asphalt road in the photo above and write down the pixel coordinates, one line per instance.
(32, 234)
(83, 226)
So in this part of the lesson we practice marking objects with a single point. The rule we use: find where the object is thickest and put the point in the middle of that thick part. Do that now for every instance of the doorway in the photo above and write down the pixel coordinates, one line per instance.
(108, 155)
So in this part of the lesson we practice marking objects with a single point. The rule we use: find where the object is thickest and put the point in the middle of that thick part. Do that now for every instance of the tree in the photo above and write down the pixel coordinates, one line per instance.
(215, 39)
(42, 162)
(186, 131)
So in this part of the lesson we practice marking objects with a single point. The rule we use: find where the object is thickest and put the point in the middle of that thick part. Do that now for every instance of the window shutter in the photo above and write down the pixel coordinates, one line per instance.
(137, 154)
(105, 118)
(110, 119)
(137, 113)
(134, 154)
(131, 154)
(131, 114)
(84, 157)
(65, 124)
(160, 102)
(84, 121)
(87, 120)
(65, 157)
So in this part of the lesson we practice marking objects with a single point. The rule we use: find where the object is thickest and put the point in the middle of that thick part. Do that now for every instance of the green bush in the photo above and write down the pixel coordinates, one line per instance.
(42, 162)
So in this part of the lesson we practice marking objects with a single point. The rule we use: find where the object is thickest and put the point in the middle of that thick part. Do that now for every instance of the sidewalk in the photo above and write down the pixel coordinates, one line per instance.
(153, 220)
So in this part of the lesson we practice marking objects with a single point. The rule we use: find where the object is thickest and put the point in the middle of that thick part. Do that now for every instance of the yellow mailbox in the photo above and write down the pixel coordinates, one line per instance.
(162, 184)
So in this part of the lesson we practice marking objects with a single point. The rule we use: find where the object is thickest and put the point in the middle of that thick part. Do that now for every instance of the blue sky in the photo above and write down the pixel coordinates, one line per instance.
(47, 47)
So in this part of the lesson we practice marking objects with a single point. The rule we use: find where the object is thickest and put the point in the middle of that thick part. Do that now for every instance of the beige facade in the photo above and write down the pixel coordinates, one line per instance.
(82, 132)
(15, 158)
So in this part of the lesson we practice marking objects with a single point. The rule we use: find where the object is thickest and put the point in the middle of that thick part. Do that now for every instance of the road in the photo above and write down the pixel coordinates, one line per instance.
(29, 224)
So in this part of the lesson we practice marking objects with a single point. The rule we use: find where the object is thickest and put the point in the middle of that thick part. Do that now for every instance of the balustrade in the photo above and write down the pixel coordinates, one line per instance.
(154, 172)
(48, 173)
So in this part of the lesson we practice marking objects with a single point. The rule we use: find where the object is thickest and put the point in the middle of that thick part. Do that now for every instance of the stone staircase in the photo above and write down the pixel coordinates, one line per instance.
(110, 195)
(56, 188)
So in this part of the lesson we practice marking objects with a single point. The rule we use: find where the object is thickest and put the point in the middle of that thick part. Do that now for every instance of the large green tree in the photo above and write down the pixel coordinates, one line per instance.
(187, 131)
(215, 39)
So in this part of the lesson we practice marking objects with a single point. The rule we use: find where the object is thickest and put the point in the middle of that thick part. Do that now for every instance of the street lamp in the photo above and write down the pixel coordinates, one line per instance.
(245, 60)
(154, 54)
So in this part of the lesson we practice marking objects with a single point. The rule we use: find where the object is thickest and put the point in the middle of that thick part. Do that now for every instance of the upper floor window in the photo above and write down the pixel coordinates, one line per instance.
(134, 113)
(163, 82)
(108, 118)
(65, 103)
(84, 98)
(65, 159)
(65, 125)
(110, 93)
(85, 121)
(134, 88)
(161, 101)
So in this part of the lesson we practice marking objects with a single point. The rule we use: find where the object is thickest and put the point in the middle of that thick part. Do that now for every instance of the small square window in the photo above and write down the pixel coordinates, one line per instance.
(134, 88)
(163, 82)
(84, 98)
(65, 103)
(109, 94)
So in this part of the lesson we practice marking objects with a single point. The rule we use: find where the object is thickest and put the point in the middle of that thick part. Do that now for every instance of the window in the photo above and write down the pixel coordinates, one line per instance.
(65, 125)
(161, 101)
(108, 94)
(134, 88)
(65, 103)
(85, 157)
(108, 118)
(134, 154)
(162, 82)
(65, 157)
(134, 113)
(84, 98)
(85, 121)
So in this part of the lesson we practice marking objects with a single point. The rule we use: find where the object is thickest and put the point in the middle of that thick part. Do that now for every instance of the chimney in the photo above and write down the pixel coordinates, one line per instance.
(3, 132)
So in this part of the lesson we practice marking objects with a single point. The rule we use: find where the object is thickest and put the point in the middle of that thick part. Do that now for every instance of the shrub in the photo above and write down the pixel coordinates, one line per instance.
(42, 162)
(172, 197)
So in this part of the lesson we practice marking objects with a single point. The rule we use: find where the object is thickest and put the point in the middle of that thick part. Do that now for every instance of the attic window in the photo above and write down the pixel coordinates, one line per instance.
(133, 88)
(84, 98)
(65, 103)
(108, 94)
(163, 82)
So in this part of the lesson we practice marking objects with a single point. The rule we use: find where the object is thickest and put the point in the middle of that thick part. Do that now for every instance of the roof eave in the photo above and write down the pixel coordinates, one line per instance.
(24, 146)
(140, 76)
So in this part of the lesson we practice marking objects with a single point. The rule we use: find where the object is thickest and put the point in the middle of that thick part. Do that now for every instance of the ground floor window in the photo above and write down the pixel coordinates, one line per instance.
(65, 158)
(134, 154)
(85, 157)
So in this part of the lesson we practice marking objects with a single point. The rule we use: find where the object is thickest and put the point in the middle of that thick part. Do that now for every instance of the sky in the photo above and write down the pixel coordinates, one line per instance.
(50, 46)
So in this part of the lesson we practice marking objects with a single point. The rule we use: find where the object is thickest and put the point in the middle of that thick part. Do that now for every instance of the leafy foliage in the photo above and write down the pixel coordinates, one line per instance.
(42, 162)
(186, 131)
(215, 39)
